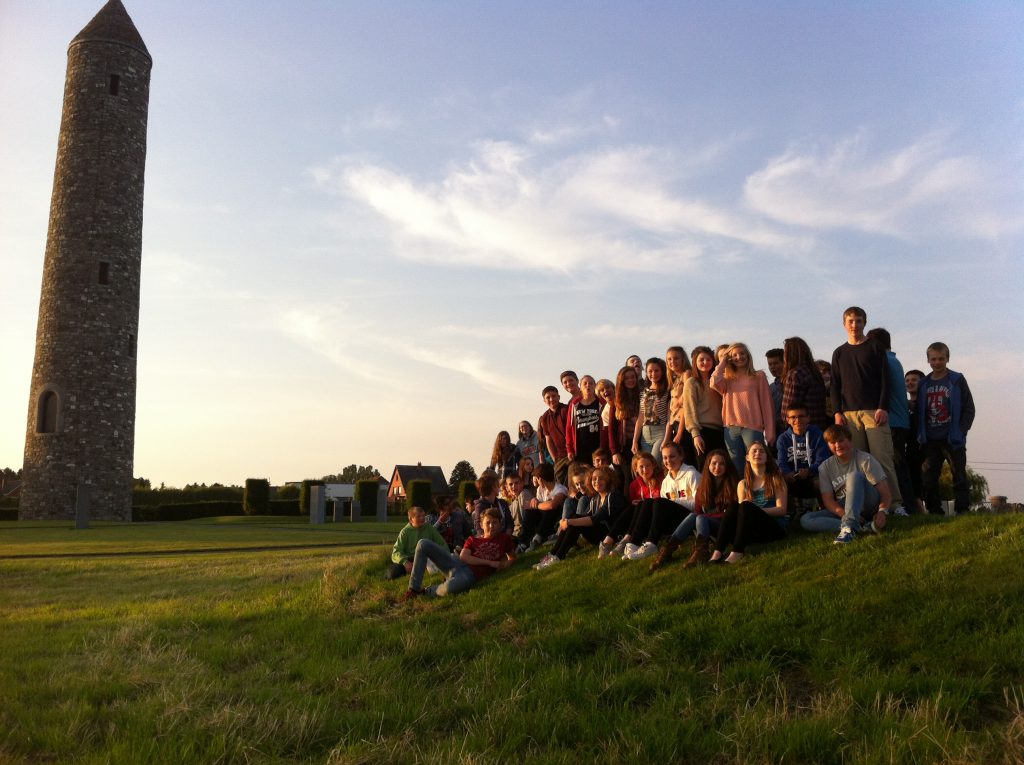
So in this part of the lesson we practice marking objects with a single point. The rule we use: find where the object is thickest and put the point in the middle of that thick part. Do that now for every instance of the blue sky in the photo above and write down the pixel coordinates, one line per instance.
(374, 231)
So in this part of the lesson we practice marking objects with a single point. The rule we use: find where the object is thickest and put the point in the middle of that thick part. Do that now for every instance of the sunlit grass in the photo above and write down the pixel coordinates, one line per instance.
(26, 538)
(900, 649)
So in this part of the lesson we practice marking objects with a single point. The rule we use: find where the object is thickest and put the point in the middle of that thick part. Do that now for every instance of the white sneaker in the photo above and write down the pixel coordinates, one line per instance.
(603, 550)
(630, 551)
(899, 510)
(846, 535)
(547, 561)
(646, 550)
(616, 552)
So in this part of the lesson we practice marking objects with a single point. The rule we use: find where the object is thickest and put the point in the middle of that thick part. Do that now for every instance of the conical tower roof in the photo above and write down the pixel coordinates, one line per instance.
(112, 24)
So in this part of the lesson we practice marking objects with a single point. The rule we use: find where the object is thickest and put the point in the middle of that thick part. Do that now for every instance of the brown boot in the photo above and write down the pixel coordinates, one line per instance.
(665, 554)
(700, 553)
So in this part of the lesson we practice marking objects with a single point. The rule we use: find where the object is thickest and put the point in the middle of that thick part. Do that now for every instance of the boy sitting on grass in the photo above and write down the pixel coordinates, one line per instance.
(802, 450)
(416, 530)
(855, 479)
(481, 556)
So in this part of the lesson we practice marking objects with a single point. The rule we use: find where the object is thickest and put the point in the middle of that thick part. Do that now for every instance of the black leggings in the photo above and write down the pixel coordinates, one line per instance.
(714, 438)
(655, 518)
(746, 524)
(540, 522)
(567, 539)
(619, 525)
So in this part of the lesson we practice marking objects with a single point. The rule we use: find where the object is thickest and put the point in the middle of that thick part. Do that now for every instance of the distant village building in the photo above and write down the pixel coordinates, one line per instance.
(10, 487)
(81, 412)
(418, 472)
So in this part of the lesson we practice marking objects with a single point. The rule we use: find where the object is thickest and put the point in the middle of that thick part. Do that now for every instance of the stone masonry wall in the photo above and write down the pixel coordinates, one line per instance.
(87, 330)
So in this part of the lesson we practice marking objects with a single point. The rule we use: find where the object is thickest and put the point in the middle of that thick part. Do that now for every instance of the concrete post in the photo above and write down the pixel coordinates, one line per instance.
(382, 505)
(82, 506)
(317, 504)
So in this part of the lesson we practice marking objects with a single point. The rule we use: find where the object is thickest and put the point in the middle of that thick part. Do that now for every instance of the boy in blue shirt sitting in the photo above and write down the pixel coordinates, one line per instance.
(801, 450)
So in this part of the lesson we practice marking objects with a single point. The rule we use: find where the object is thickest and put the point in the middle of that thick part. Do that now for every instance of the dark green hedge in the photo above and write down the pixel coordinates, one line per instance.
(418, 493)
(366, 496)
(284, 507)
(141, 497)
(256, 500)
(467, 493)
(186, 511)
(8, 514)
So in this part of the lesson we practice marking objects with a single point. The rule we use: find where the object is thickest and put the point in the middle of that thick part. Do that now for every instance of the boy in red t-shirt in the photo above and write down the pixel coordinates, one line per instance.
(481, 556)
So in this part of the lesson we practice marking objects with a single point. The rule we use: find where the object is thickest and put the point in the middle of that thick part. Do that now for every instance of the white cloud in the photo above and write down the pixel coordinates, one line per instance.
(507, 207)
(920, 189)
(345, 342)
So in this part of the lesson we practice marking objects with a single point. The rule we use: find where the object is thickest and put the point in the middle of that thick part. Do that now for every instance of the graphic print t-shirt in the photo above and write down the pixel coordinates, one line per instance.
(495, 548)
(588, 429)
(937, 417)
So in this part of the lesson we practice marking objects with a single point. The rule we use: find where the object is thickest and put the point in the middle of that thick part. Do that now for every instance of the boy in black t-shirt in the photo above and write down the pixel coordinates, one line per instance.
(583, 429)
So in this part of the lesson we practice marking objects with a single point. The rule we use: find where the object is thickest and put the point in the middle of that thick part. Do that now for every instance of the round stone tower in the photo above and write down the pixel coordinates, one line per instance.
(81, 413)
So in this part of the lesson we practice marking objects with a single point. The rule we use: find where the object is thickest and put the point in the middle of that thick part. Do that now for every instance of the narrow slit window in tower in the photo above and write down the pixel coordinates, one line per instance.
(104, 276)
(115, 84)
(49, 408)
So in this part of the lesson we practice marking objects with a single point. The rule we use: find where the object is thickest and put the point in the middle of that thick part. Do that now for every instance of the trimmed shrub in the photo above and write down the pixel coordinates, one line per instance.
(291, 491)
(186, 511)
(418, 493)
(189, 495)
(284, 507)
(256, 499)
(467, 493)
(366, 496)
(8, 514)
(304, 494)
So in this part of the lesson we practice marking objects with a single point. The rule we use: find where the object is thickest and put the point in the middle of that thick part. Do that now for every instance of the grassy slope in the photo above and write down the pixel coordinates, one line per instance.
(28, 538)
(900, 649)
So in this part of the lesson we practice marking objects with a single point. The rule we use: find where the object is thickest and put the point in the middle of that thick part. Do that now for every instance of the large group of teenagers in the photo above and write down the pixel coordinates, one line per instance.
(704, 448)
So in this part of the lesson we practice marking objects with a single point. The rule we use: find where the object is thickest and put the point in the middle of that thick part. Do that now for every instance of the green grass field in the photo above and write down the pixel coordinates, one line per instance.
(906, 648)
(56, 538)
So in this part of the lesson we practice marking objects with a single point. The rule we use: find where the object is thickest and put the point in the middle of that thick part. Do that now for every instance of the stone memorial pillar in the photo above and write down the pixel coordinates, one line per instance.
(82, 506)
(317, 504)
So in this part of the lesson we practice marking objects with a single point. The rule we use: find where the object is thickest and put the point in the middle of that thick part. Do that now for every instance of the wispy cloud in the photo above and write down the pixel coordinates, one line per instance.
(348, 343)
(508, 206)
(923, 188)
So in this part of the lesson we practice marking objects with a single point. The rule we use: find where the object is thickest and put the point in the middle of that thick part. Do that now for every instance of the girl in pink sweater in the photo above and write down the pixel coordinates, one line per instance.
(747, 410)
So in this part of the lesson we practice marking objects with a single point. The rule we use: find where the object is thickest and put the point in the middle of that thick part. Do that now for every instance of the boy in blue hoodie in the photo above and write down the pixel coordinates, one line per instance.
(801, 450)
(945, 412)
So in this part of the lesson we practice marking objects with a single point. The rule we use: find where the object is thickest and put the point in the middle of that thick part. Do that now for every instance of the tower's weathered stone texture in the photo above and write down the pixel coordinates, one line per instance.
(81, 413)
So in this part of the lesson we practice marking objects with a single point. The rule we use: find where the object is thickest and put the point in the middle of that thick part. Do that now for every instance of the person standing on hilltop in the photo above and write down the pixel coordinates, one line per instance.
(860, 394)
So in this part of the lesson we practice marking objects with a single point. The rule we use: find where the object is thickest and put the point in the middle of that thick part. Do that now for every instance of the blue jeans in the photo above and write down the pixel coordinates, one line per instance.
(737, 440)
(704, 526)
(861, 501)
(459, 576)
(651, 438)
